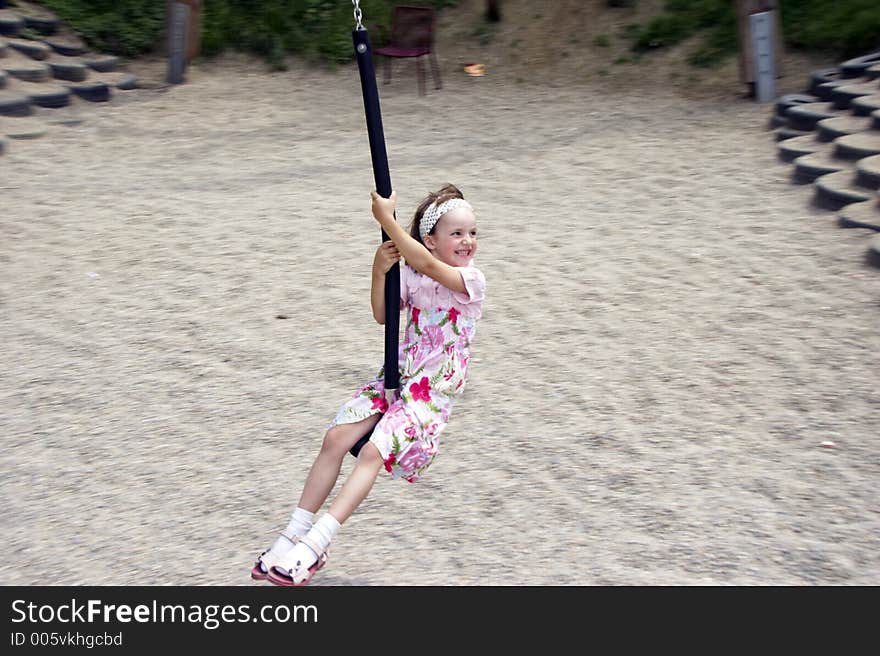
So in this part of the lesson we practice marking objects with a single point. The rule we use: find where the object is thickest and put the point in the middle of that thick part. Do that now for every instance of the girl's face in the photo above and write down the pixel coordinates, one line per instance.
(454, 240)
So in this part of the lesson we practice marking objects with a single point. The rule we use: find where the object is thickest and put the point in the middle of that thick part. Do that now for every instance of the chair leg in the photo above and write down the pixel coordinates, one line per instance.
(435, 70)
(420, 72)
(387, 70)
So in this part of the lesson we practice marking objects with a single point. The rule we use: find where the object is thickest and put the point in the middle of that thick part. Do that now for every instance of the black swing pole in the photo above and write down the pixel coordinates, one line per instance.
(364, 53)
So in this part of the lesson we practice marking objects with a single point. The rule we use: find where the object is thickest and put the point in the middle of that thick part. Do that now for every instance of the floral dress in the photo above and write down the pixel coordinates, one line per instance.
(433, 361)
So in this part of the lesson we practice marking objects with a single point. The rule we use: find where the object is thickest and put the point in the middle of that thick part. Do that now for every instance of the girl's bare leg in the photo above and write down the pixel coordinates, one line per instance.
(325, 470)
(358, 484)
(305, 553)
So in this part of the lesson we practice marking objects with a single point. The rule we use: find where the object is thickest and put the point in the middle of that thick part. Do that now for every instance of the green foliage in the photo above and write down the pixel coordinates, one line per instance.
(664, 31)
(848, 28)
(843, 28)
(319, 30)
(316, 29)
(123, 27)
(714, 20)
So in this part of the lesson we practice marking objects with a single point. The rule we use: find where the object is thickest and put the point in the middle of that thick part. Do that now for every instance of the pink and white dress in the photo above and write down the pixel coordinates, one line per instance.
(433, 361)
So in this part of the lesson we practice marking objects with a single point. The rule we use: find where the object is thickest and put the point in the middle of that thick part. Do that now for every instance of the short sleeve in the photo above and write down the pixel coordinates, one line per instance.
(406, 280)
(474, 283)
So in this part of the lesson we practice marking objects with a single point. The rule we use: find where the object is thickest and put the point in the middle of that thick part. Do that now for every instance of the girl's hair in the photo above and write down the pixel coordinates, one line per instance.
(447, 192)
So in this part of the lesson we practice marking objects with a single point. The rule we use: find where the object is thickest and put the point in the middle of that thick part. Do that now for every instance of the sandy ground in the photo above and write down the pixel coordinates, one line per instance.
(670, 335)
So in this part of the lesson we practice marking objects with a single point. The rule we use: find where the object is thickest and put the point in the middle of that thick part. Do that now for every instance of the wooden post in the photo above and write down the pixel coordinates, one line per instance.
(493, 11)
(183, 30)
(762, 26)
(194, 36)
(744, 9)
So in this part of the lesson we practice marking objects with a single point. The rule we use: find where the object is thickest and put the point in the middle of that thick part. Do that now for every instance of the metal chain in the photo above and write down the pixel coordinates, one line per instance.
(357, 14)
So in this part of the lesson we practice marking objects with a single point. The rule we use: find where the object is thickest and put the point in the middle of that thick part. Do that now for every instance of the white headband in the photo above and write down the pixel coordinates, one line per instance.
(433, 213)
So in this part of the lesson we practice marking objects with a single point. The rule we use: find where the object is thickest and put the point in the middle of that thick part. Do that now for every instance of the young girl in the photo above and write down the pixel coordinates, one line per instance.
(443, 296)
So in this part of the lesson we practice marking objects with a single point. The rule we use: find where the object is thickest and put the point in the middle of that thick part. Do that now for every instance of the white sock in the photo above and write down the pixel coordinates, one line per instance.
(323, 531)
(300, 523)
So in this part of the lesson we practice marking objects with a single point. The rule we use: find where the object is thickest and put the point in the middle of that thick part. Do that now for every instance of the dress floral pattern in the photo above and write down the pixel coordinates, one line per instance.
(433, 360)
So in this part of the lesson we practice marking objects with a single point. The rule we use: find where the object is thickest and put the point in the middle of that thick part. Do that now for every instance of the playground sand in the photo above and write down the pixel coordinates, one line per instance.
(674, 382)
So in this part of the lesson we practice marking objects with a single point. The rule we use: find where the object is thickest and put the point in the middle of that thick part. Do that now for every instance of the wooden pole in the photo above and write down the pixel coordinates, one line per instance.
(744, 9)
(183, 28)
(493, 11)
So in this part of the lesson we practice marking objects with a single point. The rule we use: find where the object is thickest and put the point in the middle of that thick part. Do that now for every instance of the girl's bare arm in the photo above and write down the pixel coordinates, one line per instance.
(417, 256)
(386, 256)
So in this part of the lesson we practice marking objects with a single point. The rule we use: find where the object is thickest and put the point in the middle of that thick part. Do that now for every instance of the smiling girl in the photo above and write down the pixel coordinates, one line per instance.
(442, 293)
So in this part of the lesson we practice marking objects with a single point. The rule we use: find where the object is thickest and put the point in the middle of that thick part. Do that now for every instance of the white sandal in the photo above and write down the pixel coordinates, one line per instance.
(293, 574)
(266, 560)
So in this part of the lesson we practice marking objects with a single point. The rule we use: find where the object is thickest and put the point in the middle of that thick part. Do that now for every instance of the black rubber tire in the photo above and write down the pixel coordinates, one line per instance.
(53, 97)
(846, 222)
(846, 149)
(831, 197)
(856, 67)
(873, 254)
(789, 150)
(47, 26)
(127, 83)
(806, 120)
(91, 91)
(33, 49)
(821, 76)
(783, 133)
(25, 129)
(70, 71)
(864, 106)
(66, 48)
(791, 99)
(827, 201)
(868, 172)
(777, 121)
(103, 64)
(831, 129)
(843, 222)
(843, 95)
(15, 104)
(31, 71)
(10, 24)
(807, 173)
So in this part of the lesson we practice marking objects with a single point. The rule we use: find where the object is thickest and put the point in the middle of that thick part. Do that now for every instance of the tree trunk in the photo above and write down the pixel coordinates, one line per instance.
(493, 11)
(744, 8)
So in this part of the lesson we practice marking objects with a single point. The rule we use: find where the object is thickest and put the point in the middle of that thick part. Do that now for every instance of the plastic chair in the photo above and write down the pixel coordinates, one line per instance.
(412, 35)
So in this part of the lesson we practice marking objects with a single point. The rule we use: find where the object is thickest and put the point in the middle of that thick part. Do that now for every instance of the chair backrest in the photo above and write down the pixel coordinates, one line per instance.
(412, 27)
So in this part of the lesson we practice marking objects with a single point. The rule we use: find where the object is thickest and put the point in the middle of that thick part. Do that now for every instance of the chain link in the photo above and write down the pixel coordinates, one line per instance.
(357, 14)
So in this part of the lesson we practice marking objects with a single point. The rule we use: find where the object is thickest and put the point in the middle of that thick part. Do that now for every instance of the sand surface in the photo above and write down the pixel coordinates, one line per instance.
(671, 333)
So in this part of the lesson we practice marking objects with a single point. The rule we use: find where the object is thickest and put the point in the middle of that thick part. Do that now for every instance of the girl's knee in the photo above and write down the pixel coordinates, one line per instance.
(340, 438)
(336, 440)
(370, 455)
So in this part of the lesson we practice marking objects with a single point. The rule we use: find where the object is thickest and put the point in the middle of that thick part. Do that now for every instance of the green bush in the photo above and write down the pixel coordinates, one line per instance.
(848, 28)
(842, 28)
(320, 30)
(317, 29)
(122, 27)
(714, 20)
(663, 31)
